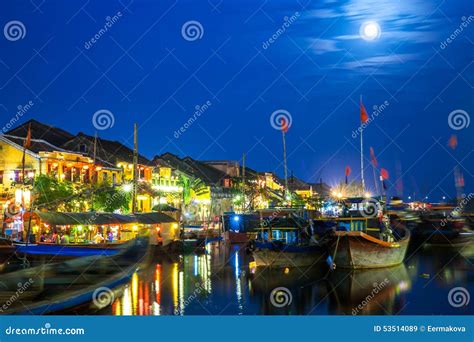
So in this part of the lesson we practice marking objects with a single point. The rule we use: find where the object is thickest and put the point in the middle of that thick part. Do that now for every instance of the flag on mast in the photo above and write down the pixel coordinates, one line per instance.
(284, 125)
(453, 141)
(363, 113)
(27, 142)
(375, 163)
(348, 172)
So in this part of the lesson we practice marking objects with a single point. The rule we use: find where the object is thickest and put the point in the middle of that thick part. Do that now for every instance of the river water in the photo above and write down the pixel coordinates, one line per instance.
(432, 281)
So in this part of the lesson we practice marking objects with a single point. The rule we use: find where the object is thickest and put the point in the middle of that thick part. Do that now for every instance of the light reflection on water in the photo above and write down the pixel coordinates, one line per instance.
(220, 282)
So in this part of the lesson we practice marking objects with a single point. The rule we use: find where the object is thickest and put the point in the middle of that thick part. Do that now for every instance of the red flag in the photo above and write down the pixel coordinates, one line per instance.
(284, 125)
(348, 171)
(27, 142)
(384, 174)
(453, 141)
(363, 113)
(372, 157)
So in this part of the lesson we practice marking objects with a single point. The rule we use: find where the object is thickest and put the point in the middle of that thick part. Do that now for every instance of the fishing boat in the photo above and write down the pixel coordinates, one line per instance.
(58, 287)
(443, 226)
(285, 242)
(369, 246)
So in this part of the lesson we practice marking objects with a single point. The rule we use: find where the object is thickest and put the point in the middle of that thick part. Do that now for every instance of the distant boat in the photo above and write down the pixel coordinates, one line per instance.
(361, 250)
(287, 242)
(442, 226)
(57, 287)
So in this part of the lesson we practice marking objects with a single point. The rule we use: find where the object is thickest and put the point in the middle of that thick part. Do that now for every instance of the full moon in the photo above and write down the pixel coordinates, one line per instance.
(370, 30)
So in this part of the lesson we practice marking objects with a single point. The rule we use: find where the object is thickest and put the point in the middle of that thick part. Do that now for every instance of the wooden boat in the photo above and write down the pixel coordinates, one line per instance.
(280, 255)
(70, 250)
(360, 250)
(278, 245)
(57, 287)
(434, 230)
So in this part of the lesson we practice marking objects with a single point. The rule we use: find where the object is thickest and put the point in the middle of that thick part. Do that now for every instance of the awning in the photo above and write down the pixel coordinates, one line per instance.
(152, 218)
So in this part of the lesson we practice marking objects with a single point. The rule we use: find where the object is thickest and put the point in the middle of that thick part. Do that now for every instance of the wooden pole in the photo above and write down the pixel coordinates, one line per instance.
(243, 182)
(135, 166)
(362, 156)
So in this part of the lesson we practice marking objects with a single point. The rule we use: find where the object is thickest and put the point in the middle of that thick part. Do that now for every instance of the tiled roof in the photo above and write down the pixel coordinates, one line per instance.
(109, 151)
(53, 135)
(36, 145)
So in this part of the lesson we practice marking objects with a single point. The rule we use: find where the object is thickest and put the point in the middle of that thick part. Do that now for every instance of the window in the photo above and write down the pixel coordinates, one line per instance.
(83, 148)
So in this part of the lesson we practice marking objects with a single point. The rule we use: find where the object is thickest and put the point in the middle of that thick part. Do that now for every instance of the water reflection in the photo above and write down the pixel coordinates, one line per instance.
(220, 282)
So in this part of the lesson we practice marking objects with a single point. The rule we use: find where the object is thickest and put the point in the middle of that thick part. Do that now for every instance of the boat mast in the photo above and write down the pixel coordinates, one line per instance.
(135, 162)
(284, 162)
(362, 156)
(243, 182)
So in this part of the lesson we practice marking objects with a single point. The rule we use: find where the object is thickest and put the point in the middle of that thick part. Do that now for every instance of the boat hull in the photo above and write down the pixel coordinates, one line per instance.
(357, 251)
(234, 237)
(56, 287)
(287, 256)
(67, 250)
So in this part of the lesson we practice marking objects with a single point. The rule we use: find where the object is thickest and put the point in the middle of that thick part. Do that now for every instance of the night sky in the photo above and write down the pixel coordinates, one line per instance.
(246, 60)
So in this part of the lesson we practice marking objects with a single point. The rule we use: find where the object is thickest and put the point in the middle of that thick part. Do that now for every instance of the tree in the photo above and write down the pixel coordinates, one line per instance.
(52, 194)
(108, 198)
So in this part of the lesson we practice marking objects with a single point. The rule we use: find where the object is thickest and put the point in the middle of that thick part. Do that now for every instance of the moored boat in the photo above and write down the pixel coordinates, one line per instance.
(281, 246)
(362, 250)
(71, 250)
(443, 229)
(56, 287)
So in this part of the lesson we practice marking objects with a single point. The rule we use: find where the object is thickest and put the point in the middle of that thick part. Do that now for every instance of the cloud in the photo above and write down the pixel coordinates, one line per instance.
(321, 46)
(379, 61)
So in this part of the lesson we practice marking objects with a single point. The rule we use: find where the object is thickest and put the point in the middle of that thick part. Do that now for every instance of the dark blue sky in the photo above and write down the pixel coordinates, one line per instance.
(143, 70)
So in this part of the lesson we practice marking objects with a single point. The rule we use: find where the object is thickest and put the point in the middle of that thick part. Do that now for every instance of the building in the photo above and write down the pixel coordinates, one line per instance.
(206, 191)
(116, 166)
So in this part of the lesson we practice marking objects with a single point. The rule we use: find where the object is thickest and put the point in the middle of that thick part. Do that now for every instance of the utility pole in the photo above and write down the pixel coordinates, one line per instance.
(135, 168)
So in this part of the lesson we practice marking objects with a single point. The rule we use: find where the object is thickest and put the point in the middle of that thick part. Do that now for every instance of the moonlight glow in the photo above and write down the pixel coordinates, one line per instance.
(370, 30)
